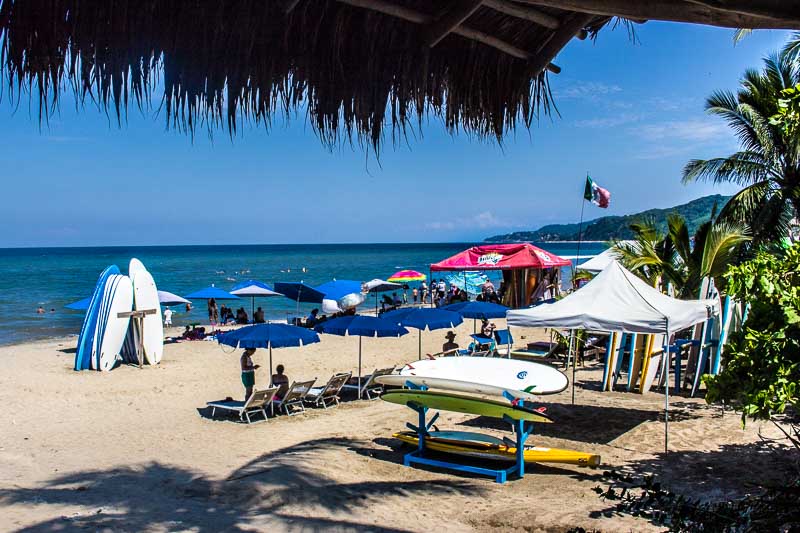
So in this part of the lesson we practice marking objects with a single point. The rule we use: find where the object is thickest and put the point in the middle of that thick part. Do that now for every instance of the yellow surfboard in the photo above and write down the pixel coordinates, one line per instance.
(486, 447)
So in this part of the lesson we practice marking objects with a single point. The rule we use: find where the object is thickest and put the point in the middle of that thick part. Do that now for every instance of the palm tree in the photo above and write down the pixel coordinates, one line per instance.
(768, 165)
(682, 260)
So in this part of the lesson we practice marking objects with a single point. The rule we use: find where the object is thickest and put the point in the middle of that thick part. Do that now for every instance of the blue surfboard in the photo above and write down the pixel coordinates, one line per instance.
(83, 352)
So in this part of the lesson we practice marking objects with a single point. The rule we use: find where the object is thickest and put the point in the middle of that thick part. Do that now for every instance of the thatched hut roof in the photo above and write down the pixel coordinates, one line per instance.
(481, 65)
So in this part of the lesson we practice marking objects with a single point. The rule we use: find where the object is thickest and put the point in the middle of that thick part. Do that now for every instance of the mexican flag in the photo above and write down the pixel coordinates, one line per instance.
(596, 194)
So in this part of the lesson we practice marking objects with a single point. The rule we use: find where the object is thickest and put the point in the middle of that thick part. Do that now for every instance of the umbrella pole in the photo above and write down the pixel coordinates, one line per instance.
(420, 345)
(252, 309)
(270, 364)
(359, 367)
(376, 303)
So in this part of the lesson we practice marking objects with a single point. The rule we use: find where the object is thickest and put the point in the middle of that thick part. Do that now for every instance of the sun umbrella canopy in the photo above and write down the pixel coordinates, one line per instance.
(268, 336)
(299, 291)
(253, 287)
(405, 276)
(167, 298)
(362, 326)
(501, 257)
(478, 309)
(424, 318)
(379, 285)
(339, 288)
(212, 292)
(80, 305)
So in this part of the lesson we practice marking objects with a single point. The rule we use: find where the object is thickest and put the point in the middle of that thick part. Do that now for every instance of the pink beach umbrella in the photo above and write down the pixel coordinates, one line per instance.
(404, 276)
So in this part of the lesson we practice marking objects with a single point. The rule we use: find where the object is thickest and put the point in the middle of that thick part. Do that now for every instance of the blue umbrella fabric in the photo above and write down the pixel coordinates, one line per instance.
(341, 295)
(211, 292)
(80, 305)
(478, 309)
(362, 326)
(299, 292)
(423, 318)
(268, 336)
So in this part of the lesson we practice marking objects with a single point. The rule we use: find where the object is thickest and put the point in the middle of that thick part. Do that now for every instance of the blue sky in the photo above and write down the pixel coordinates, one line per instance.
(631, 115)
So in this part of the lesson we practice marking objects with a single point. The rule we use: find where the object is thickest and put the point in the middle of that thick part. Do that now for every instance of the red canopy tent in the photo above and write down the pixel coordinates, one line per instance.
(501, 257)
(528, 272)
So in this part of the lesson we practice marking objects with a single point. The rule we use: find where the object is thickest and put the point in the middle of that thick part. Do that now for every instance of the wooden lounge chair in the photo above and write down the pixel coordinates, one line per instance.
(329, 394)
(369, 388)
(292, 400)
(256, 403)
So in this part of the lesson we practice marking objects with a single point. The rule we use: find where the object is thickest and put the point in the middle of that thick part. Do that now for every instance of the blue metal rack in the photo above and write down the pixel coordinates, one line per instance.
(522, 430)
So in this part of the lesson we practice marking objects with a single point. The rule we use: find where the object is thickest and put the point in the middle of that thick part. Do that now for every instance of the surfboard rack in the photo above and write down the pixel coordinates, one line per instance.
(522, 430)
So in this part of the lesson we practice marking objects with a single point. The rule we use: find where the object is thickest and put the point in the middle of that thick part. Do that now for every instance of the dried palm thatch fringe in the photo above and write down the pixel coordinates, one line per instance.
(227, 61)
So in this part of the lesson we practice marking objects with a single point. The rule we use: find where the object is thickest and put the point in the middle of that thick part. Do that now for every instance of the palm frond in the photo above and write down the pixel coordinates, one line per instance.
(742, 168)
(720, 247)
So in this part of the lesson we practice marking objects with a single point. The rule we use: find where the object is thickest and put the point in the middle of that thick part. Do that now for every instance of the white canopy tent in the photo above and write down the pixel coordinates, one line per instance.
(617, 300)
(600, 261)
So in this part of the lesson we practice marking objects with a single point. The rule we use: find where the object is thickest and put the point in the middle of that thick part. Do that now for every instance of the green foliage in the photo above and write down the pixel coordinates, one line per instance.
(773, 509)
(677, 257)
(788, 116)
(761, 372)
(762, 114)
(695, 212)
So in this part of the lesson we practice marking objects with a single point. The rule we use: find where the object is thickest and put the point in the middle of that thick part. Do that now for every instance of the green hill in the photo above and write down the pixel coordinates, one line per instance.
(617, 227)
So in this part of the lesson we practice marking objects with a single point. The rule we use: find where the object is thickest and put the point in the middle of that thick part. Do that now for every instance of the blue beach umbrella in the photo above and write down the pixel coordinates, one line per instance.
(477, 310)
(341, 294)
(424, 318)
(362, 326)
(268, 336)
(211, 292)
(253, 289)
(299, 292)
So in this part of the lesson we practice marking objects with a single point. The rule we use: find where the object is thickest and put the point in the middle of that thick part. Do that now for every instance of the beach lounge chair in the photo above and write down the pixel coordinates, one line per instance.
(329, 394)
(256, 403)
(504, 341)
(292, 400)
(369, 388)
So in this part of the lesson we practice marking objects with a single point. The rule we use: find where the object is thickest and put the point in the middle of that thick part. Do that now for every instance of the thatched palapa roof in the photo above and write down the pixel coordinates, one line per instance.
(481, 65)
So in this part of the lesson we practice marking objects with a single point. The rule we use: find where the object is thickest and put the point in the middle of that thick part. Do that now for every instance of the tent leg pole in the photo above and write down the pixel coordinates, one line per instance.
(572, 356)
(666, 391)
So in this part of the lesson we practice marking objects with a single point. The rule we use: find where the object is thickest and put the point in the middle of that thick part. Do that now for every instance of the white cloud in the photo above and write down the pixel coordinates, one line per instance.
(483, 220)
(610, 121)
(587, 90)
(687, 130)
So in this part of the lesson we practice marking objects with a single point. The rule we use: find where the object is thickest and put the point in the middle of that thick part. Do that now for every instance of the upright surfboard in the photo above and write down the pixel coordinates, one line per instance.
(612, 353)
(111, 329)
(725, 326)
(638, 346)
(482, 375)
(652, 361)
(458, 403)
(145, 296)
(83, 352)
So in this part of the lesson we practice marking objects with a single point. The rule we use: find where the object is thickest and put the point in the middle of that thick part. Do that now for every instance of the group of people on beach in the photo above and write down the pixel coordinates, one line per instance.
(279, 378)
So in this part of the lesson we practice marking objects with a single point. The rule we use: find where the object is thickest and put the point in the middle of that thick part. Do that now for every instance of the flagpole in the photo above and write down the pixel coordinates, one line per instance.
(580, 235)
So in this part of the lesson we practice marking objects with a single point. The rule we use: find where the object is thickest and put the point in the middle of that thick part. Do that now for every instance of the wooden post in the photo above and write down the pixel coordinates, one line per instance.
(138, 316)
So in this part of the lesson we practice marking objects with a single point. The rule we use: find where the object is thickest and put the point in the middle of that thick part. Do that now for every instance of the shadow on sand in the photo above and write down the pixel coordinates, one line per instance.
(159, 497)
(585, 423)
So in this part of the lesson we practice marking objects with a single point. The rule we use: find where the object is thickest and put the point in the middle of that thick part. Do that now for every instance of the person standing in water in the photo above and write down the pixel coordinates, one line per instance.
(248, 372)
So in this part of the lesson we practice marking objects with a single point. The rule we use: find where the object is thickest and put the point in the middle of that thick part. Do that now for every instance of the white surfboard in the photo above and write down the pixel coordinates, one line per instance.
(482, 375)
(111, 330)
(145, 296)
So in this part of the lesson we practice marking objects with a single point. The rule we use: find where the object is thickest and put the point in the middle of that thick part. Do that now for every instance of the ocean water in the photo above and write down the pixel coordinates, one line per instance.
(54, 277)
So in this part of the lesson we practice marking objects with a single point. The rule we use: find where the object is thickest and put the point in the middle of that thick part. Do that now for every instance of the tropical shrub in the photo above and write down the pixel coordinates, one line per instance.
(761, 372)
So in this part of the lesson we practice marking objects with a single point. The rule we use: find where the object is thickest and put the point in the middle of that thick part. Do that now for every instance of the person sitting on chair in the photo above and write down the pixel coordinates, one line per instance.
(280, 380)
(451, 344)
(258, 316)
(487, 329)
(311, 319)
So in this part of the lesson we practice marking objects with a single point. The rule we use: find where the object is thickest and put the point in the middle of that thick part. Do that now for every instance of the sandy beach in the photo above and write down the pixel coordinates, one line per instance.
(136, 450)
